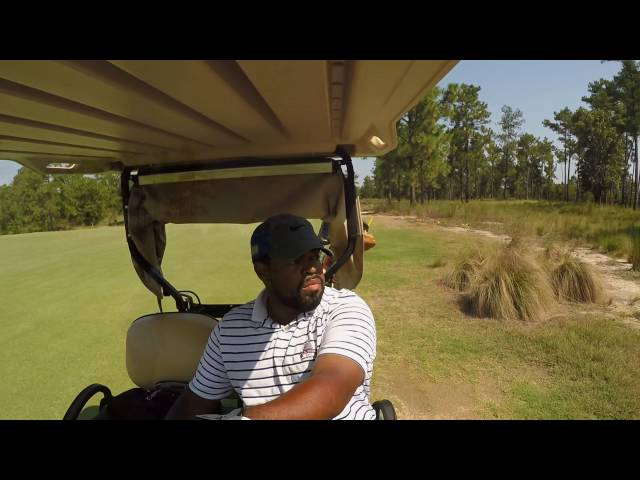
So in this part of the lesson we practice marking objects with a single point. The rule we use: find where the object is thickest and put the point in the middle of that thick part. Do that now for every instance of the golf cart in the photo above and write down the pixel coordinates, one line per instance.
(208, 142)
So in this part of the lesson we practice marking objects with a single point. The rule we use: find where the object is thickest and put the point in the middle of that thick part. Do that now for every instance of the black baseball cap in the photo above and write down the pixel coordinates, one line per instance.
(284, 237)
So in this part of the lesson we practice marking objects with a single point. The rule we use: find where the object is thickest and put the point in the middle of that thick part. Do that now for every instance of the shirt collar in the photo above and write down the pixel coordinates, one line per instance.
(260, 314)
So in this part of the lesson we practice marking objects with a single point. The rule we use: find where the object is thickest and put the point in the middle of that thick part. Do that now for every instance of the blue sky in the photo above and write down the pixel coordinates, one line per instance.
(537, 87)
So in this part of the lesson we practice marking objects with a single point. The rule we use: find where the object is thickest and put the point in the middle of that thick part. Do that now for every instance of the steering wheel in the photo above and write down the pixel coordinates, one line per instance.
(83, 397)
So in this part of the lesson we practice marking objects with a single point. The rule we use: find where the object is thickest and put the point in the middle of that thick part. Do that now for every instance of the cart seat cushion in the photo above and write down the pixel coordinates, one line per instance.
(164, 347)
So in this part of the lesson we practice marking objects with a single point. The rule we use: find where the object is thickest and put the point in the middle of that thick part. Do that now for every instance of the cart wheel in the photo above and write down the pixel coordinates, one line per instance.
(384, 410)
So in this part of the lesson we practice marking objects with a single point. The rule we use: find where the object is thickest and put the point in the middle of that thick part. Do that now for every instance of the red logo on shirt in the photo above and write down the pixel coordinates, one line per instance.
(308, 351)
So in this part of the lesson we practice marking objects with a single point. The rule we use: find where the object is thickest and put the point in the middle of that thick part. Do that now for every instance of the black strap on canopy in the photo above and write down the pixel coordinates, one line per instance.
(167, 288)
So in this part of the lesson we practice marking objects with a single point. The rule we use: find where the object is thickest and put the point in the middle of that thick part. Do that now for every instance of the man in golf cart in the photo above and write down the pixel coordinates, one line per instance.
(229, 142)
(300, 350)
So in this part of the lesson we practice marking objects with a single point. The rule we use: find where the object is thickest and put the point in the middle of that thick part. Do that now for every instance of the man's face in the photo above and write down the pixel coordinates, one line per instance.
(298, 284)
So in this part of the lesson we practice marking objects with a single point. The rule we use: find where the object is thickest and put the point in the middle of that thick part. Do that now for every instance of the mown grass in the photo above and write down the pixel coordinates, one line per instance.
(70, 297)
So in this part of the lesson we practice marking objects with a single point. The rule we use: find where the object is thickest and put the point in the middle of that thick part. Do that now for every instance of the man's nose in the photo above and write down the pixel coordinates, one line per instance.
(313, 265)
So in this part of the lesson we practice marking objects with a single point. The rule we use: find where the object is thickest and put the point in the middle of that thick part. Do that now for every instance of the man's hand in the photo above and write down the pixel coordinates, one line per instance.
(322, 396)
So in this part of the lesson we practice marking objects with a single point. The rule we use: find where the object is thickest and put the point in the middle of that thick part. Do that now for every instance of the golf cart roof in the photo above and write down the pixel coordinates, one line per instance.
(93, 116)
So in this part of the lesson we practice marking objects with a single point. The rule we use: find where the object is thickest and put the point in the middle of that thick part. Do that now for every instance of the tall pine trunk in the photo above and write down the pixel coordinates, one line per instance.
(568, 175)
(635, 155)
(412, 183)
(632, 185)
(466, 168)
(504, 177)
(623, 179)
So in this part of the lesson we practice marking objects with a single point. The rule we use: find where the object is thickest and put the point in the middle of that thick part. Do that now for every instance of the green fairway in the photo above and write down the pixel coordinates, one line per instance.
(69, 298)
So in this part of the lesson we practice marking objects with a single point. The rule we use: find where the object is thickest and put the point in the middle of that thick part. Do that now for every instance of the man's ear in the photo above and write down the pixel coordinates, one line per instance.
(262, 270)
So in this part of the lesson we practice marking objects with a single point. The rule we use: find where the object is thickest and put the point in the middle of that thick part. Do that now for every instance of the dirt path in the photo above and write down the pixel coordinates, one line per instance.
(624, 293)
(400, 219)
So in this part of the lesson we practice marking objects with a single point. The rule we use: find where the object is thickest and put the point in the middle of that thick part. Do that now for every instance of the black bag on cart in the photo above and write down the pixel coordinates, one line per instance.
(139, 404)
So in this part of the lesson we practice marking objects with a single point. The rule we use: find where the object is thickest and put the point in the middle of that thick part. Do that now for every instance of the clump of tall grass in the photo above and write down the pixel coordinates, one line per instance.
(510, 286)
(612, 243)
(574, 281)
(465, 271)
(518, 242)
(552, 255)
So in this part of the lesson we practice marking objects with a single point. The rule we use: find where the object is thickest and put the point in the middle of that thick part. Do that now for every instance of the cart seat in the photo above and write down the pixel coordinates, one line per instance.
(166, 347)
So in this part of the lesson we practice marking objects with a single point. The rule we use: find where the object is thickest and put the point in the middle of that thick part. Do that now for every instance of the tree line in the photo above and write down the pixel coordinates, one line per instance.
(34, 202)
(447, 149)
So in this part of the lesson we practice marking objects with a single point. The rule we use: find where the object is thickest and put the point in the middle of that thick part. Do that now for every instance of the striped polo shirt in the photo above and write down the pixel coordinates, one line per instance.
(260, 359)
